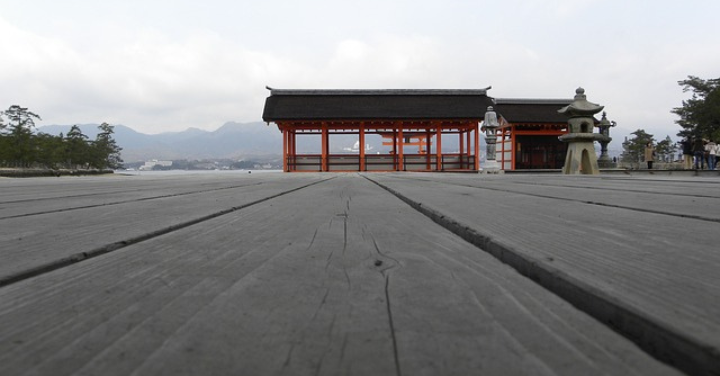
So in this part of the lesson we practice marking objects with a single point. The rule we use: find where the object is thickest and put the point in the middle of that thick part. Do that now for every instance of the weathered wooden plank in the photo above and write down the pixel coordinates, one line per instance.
(342, 278)
(672, 196)
(248, 327)
(20, 197)
(659, 269)
(40, 241)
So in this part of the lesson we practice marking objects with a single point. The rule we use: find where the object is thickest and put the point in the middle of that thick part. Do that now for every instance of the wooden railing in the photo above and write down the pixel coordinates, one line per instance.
(381, 162)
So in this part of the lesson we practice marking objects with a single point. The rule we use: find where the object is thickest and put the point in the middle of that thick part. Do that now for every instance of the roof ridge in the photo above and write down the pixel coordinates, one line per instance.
(533, 100)
(378, 91)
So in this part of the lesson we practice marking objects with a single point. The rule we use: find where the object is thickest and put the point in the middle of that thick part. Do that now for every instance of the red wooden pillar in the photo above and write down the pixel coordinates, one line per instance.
(292, 138)
(513, 147)
(324, 158)
(502, 149)
(285, 134)
(362, 146)
(469, 150)
(477, 147)
(462, 149)
(401, 147)
(290, 151)
(438, 146)
(427, 149)
(394, 149)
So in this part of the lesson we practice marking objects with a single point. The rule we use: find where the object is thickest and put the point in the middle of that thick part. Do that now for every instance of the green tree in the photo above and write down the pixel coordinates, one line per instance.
(50, 150)
(700, 115)
(19, 149)
(20, 119)
(666, 150)
(635, 147)
(77, 151)
(106, 152)
(4, 146)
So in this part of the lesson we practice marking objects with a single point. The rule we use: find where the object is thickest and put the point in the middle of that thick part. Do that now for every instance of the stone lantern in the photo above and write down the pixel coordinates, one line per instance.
(604, 160)
(490, 126)
(581, 158)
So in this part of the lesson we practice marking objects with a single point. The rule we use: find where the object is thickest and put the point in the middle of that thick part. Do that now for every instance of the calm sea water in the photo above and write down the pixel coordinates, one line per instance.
(194, 172)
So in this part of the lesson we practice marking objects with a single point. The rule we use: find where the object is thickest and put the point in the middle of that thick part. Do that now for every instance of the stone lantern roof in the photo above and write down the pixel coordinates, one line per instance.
(580, 106)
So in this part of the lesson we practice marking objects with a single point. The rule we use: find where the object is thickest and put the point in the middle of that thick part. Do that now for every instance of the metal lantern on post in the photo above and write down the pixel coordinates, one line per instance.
(604, 127)
(490, 126)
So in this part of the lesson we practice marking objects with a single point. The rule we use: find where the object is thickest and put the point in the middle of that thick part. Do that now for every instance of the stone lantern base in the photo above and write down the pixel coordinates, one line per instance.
(581, 158)
(606, 163)
(491, 167)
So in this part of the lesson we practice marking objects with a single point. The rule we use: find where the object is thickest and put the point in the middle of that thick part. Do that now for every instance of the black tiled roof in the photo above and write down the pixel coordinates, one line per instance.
(375, 104)
(531, 110)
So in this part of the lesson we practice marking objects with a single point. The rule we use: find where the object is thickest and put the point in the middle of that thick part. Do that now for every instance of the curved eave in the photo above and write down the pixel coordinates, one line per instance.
(581, 109)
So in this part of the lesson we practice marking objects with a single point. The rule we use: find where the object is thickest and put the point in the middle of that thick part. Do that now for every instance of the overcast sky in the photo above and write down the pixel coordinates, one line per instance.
(166, 65)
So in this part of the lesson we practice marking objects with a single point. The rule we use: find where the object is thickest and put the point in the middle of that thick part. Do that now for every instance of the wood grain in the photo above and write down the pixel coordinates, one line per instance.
(337, 277)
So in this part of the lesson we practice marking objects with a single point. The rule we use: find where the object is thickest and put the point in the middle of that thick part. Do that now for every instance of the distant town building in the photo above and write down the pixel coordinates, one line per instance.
(149, 165)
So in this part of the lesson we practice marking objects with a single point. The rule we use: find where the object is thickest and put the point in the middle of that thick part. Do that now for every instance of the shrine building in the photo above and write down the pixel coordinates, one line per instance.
(419, 130)
(527, 137)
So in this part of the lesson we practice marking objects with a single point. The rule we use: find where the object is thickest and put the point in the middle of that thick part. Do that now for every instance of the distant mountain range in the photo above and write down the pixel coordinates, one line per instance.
(232, 141)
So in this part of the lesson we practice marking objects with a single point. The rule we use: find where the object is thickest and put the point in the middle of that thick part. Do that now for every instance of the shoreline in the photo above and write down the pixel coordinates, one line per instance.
(33, 173)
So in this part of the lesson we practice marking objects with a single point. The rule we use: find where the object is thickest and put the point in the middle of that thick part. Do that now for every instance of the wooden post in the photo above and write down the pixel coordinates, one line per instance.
(324, 135)
(438, 146)
(477, 146)
(512, 148)
(394, 152)
(401, 162)
(285, 134)
(462, 149)
(502, 149)
(427, 149)
(469, 150)
(292, 138)
(362, 146)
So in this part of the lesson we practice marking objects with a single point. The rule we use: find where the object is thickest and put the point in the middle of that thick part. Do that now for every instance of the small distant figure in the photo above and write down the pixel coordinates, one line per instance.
(699, 153)
(649, 154)
(711, 150)
(687, 152)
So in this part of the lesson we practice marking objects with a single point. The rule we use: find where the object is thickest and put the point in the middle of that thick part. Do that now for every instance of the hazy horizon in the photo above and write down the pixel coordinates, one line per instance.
(165, 66)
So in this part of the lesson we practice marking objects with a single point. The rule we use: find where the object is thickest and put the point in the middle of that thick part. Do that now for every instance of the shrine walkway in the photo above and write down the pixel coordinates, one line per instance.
(360, 274)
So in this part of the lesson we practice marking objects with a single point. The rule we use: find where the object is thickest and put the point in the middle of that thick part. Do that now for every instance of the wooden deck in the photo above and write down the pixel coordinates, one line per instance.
(367, 274)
